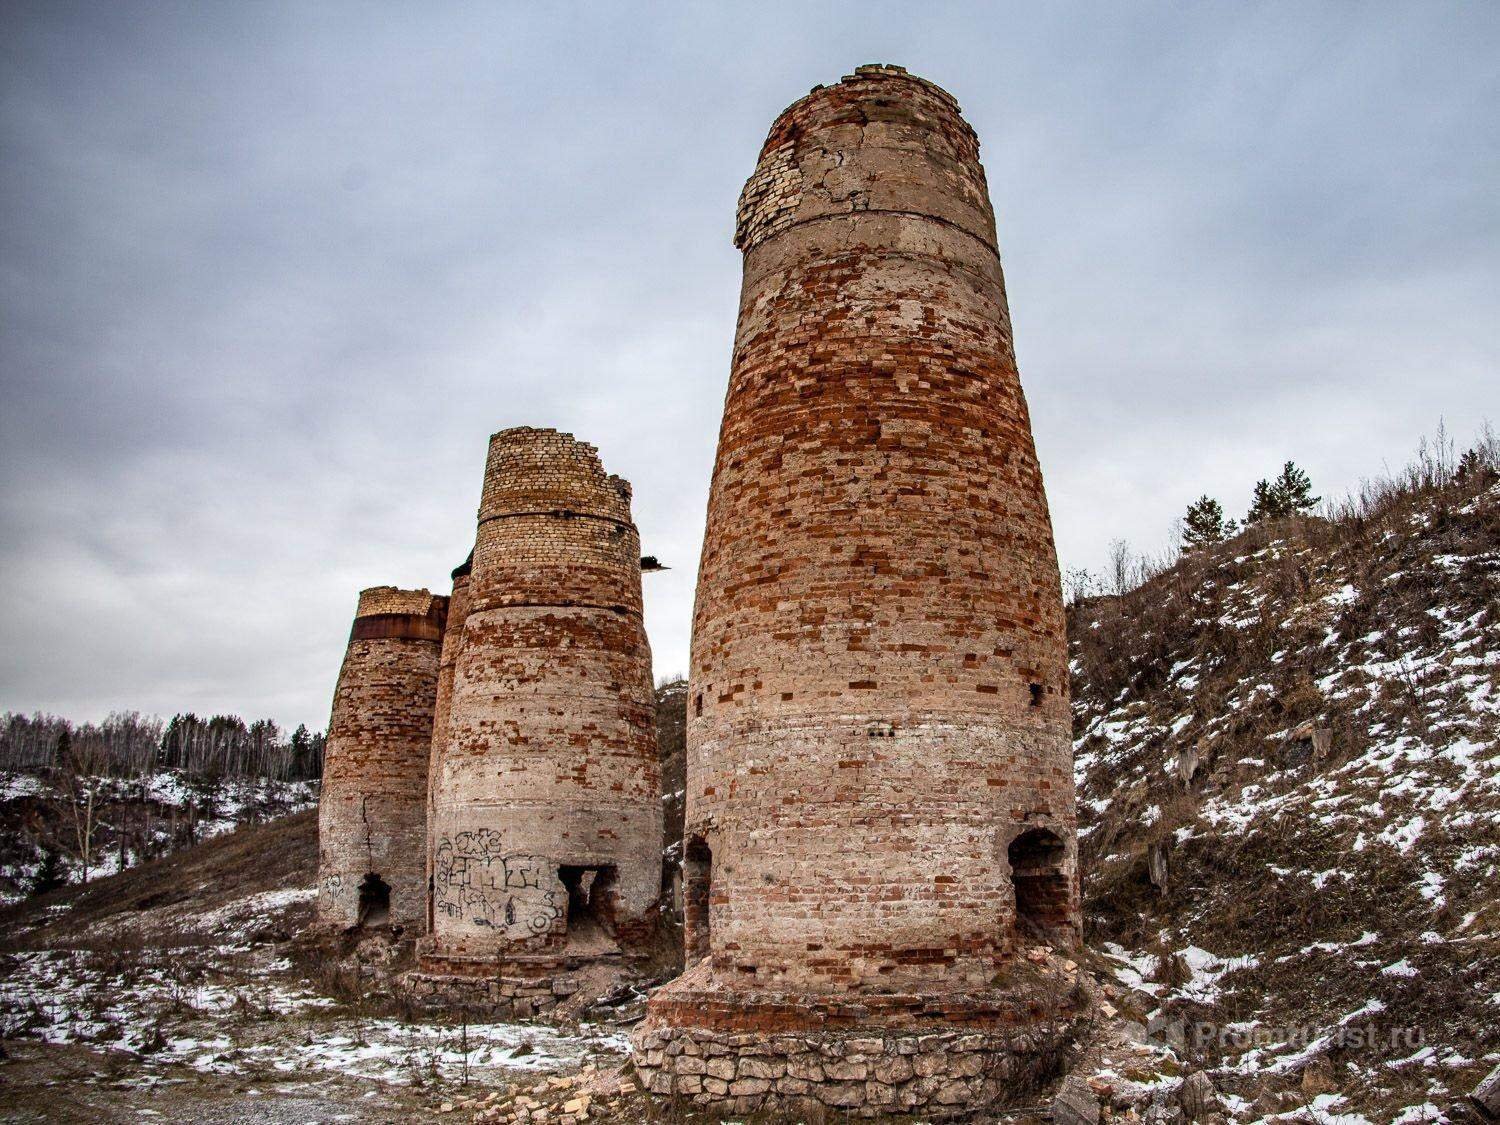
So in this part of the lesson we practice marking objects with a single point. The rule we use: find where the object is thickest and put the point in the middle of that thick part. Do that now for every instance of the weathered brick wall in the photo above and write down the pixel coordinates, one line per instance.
(372, 816)
(380, 600)
(458, 612)
(549, 760)
(878, 699)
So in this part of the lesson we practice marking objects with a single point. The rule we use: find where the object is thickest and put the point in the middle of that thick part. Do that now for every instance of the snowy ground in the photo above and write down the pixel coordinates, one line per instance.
(213, 1015)
(222, 1012)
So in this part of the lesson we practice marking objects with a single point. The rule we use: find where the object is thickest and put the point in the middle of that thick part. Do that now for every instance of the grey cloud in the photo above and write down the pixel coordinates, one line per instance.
(270, 275)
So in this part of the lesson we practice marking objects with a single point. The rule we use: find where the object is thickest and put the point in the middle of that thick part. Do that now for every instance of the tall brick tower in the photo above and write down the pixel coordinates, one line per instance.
(546, 804)
(458, 612)
(880, 806)
(371, 817)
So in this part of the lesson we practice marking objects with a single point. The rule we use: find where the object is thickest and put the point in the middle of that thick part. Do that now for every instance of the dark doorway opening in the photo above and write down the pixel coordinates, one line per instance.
(697, 890)
(1038, 872)
(374, 901)
(591, 904)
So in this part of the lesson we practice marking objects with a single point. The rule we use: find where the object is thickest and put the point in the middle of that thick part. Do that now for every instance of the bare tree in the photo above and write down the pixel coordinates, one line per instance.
(1078, 584)
(82, 762)
(1121, 566)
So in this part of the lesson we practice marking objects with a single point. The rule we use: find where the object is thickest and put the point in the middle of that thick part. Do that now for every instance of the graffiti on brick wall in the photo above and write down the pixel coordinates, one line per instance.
(518, 894)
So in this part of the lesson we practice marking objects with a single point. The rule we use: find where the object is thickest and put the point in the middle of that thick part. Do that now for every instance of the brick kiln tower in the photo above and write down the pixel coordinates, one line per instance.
(546, 801)
(458, 612)
(372, 822)
(880, 805)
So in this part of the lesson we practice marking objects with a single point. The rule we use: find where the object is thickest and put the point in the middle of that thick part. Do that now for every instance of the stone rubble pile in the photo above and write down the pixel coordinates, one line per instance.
(592, 1094)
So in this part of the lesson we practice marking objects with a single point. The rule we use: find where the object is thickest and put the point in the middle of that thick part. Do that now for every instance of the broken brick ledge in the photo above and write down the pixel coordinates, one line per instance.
(774, 1012)
(1028, 991)
(512, 988)
(518, 966)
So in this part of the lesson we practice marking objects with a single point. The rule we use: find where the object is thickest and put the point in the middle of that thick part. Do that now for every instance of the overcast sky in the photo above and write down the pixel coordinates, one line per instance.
(271, 274)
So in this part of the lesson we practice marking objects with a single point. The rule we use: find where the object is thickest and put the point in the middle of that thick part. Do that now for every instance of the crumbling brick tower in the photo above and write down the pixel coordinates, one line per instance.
(458, 612)
(546, 803)
(372, 821)
(880, 806)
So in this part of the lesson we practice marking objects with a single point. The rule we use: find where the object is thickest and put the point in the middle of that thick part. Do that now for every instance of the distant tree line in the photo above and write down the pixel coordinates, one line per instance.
(99, 775)
(129, 744)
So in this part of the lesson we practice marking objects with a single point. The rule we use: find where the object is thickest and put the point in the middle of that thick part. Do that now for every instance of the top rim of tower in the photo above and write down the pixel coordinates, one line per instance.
(572, 476)
(512, 433)
(867, 76)
(376, 601)
(880, 140)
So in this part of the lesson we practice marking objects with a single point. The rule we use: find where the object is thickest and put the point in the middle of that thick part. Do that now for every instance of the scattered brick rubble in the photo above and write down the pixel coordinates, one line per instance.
(592, 1095)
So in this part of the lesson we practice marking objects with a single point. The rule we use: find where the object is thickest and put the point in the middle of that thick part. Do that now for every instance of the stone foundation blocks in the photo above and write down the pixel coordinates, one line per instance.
(938, 1075)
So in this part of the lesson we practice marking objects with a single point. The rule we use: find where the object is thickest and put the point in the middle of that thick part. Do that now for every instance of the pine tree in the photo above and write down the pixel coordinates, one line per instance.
(1294, 490)
(1473, 467)
(1264, 504)
(1204, 524)
(1290, 494)
(301, 746)
(50, 874)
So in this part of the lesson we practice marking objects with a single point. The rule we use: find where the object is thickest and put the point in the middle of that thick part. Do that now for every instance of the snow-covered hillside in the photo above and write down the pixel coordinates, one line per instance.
(1288, 757)
(134, 819)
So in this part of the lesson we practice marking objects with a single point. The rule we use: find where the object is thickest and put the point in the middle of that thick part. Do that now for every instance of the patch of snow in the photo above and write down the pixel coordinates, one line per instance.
(1424, 1057)
(1207, 969)
(1403, 836)
(16, 785)
(1134, 968)
(1431, 888)
(1413, 1114)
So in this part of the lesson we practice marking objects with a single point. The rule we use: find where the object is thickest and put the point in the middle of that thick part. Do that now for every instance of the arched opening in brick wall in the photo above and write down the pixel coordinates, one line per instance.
(1038, 872)
(591, 905)
(697, 888)
(374, 901)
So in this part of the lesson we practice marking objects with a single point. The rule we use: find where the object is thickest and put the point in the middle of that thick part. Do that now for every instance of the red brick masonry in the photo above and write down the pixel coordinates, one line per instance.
(545, 823)
(880, 794)
(372, 820)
